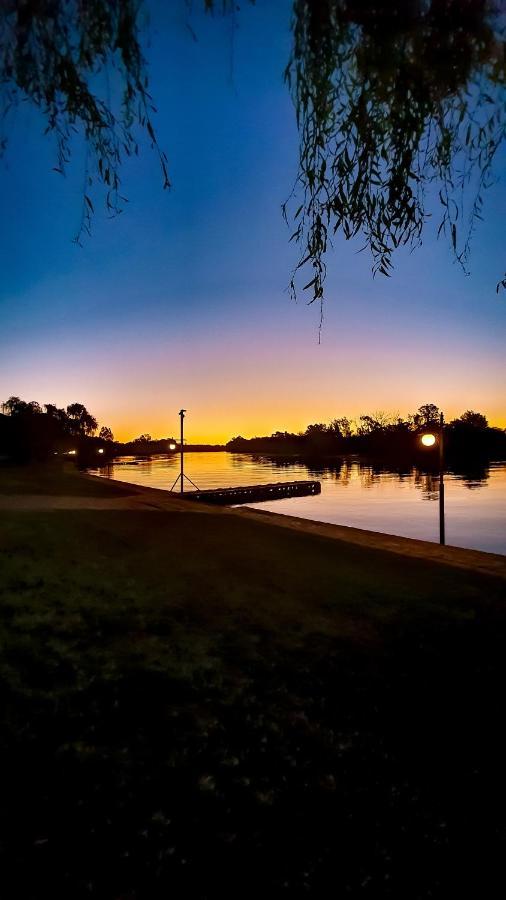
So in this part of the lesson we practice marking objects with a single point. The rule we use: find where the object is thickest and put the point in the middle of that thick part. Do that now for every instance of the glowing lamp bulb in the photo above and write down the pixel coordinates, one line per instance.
(100, 449)
(172, 446)
(428, 440)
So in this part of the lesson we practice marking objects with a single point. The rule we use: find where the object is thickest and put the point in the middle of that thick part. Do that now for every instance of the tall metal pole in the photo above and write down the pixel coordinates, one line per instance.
(181, 477)
(181, 413)
(441, 482)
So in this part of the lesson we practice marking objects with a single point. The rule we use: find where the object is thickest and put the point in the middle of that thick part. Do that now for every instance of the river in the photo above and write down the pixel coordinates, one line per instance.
(354, 492)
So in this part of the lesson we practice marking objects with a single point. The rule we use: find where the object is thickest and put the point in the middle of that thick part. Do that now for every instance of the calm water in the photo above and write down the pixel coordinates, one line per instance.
(353, 493)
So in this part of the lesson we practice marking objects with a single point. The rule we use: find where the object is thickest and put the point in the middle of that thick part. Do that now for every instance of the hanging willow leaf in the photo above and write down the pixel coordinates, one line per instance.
(52, 53)
(398, 104)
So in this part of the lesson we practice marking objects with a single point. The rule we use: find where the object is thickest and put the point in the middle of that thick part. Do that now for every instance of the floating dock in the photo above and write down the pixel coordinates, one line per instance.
(255, 493)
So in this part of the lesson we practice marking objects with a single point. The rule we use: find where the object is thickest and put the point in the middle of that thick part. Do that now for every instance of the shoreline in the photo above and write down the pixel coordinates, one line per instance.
(115, 494)
(474, 560)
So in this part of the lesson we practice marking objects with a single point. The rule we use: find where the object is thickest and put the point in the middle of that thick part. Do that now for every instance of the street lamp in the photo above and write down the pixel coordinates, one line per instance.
(429, 440)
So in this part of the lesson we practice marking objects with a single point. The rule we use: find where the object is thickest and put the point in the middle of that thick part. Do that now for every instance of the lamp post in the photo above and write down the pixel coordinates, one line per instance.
(181, 414)
(181, 475)
(441, 482)
(428, 440)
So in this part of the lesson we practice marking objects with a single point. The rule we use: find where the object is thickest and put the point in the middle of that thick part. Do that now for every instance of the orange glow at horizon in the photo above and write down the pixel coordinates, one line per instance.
(205, 431)
(251, 384)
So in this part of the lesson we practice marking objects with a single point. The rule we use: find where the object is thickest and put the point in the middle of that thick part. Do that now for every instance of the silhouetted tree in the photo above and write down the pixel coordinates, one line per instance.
(14, 406)
(29, 432)
(428, 415)
(391, 438)
(106, 434)
(316, 429)
(341, 427)
(471, 419)
(59, 415)
(378, 421)
(82, 422)
(396, 103)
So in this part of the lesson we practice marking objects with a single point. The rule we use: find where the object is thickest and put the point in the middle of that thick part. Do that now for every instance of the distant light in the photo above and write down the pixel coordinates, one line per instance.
(100, 449)
(428, 440)
(72, 452)
(172, 446)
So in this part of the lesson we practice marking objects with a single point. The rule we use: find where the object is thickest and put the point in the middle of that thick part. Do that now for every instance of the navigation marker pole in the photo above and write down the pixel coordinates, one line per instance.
(181, 475)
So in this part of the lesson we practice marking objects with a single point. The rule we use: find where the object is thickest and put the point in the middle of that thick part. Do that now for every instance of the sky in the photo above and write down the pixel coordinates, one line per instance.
(181, 301)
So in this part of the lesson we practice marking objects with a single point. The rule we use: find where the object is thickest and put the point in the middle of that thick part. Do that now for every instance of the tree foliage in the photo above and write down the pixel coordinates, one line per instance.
(80, 420)
(82, 66)
(105, 433)
(428, 415)
(75, 420)
(400, 107)
(28, 431)
(471, 419)
(142, 439)
(384, 435)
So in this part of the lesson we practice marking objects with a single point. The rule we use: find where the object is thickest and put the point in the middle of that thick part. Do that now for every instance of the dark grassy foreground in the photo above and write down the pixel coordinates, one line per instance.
(203, 706)
(56, 478)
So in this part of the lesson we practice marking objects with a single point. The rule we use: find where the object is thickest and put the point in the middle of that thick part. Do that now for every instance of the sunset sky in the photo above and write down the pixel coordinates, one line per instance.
(181, 301)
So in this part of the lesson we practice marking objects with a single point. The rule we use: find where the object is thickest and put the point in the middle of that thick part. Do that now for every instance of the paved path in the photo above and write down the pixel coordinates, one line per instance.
(12, 502)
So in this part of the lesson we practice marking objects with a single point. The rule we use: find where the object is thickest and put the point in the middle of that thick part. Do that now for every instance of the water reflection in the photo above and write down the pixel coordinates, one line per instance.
(427, 484)
(473, 474)
(355, 491)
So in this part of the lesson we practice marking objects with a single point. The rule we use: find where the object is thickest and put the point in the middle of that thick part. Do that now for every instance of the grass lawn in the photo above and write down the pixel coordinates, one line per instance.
(199, 706)
(56, 478)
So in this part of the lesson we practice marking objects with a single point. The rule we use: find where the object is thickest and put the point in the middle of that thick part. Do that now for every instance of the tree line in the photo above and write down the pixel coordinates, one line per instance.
(31, 431)
(383, 435)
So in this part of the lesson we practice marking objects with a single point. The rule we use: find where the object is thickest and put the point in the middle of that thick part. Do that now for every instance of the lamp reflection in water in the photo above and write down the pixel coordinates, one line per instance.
(429, 440)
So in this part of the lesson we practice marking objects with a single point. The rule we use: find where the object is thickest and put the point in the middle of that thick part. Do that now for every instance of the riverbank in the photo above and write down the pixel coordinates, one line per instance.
(197, 702)
(353, 495)
(51, 488)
